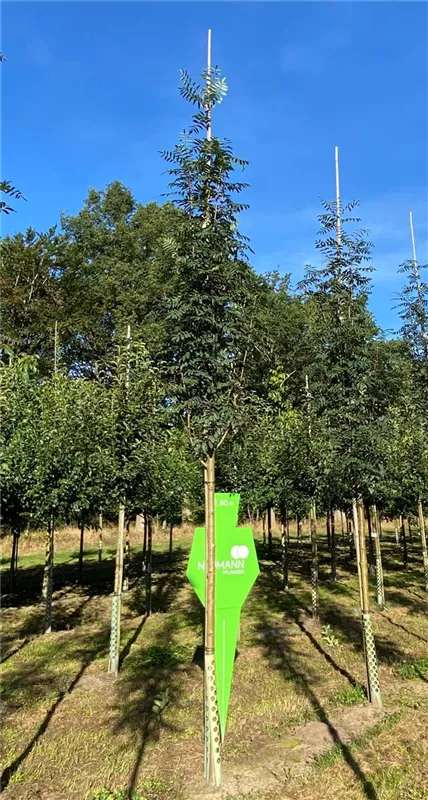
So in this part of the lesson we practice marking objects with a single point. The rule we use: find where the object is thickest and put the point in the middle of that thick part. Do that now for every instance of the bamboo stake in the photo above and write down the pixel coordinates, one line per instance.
(118, 577)
(380, 590)
(369, 644)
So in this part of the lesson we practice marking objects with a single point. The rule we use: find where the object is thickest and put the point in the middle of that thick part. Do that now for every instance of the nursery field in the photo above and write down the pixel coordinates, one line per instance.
(299, 724)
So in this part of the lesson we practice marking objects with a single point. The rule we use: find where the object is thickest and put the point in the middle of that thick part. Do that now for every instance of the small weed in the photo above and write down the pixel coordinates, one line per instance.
(160, 702)
(327, 634)
(349, 697)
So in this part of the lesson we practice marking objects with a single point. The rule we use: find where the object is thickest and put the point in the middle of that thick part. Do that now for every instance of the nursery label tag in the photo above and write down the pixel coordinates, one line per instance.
(236, 570)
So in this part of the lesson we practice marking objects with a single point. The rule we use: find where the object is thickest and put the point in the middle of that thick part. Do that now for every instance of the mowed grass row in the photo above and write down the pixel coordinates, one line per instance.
(70, 730)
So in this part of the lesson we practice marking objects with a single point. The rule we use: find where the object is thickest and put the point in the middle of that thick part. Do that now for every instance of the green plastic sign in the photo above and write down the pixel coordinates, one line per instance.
(237, 568)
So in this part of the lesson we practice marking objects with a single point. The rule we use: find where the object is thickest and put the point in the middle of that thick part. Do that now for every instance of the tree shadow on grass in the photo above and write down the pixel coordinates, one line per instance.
(403, 628)
(279, 652)
(155, 670)
(87, 651)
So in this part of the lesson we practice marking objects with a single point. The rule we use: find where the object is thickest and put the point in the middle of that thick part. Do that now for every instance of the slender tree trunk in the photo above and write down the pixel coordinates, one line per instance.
(314, 566)
(171, 531)
(82, 537)
(212, 725)
(410, 529)
(144, 551)
(404, 542)
(100, 536)
(13, 559)
(380, 590)
(328, 528)
(116, 600)
(49, 576)
(269, 527)
(299, 528)
(149, 557)
(285, 543)
(372, 560)
(423, 540)
(342, 524)
(333, 547)
(351, 539)
(126, 560)
(264, 528)
(397, 533)
(369, 644)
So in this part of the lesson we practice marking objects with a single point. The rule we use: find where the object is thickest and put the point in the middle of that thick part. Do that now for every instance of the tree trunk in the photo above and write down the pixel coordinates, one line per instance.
(144, 552)
(149, 556)
(314, 566)
(397, 534)
(49, 576)
(333, 547)
(342, 524)
(126, 560)
(423, 540)
(404, 542)
(264, 528)
(328, 529)
(113, 666)
(299, 528)
(380, 590)
(100, 537)
(171, 531)
(372, 561)
(351, 539)
(269, 527)
(369, 644)
(82, 536)
(285, 543)
(14, 559)
(410, 528)
(212, 725)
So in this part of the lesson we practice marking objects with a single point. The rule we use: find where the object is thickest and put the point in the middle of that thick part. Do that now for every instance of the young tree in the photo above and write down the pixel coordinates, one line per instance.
(207, 347)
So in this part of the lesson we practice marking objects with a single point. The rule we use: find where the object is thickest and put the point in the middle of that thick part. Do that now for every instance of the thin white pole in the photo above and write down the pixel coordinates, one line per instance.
(209, 83)
(412, 233)
(338, 221)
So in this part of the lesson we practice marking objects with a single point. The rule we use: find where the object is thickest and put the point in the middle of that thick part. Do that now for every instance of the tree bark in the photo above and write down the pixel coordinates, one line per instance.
(380, 590)
(149, 556)
(212, 725)
(372, 561)
(369, 644)
(264, 528)
(314, 565)
(14, 559)
(49, 576)
(333, 547)
(100, 536)
(404, 542)
(117, 596)
(82, 537)
(126, 560)
(285, 543)
(269, 527)
(328, 528)
(171, 531)
(423, 540)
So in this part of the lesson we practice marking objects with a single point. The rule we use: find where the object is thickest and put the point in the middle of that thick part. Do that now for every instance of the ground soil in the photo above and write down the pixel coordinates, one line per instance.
(299, 724)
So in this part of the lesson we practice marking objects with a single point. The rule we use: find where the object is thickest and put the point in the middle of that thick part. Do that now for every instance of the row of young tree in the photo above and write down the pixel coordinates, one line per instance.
(146, 363)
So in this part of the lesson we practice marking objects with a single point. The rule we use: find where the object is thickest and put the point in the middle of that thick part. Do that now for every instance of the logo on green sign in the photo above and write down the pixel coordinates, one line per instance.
(236, 570)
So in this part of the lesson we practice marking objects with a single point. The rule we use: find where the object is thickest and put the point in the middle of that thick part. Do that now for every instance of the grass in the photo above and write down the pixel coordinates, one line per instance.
(71, 732)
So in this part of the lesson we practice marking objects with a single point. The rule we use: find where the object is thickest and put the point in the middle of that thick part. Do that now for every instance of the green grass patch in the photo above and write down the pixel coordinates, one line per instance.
(349, 697)
(414, 670)
(336, 753)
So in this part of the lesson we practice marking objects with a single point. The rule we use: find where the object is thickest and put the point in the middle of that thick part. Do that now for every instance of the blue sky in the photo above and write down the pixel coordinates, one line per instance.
(89, 95)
